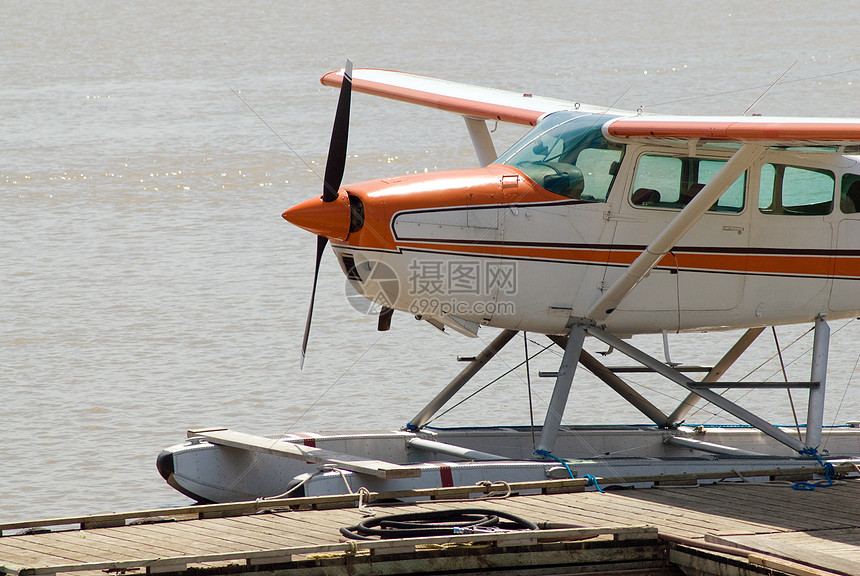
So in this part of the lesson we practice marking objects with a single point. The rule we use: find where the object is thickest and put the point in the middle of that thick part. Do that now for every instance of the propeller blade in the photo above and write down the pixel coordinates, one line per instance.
(384, 322)
(334, 168)
(321, 243)
(336, 161)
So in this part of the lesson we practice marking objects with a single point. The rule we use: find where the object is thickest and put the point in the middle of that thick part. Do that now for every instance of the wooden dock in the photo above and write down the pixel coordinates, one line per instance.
(726, 529)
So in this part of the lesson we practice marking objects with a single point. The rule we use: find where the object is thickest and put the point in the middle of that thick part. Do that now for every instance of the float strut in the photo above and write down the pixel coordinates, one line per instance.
(815, 408)
(609, 378)
(562, 389)
(709, 395)
(460, 380)
(716, 372)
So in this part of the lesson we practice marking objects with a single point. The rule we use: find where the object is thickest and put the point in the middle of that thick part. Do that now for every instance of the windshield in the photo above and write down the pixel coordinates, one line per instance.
(567, 154)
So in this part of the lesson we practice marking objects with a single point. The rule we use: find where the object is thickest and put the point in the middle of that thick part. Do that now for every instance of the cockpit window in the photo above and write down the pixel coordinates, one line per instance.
(567, 154)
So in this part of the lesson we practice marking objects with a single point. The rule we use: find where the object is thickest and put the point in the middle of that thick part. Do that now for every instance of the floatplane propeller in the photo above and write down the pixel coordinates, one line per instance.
(334, 168)
(316, 213)
(332, 215)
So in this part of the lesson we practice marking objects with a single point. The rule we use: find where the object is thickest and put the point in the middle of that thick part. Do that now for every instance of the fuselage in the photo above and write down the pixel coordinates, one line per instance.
(537, 237)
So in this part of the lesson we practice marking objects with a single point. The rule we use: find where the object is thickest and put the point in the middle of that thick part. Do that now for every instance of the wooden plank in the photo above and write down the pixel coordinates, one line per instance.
(147, 544)
(555, 509)
(614, 506)
(253, 534)
(261, 538)
(785, 566)
(677, 520)
(222, 541)
(15, 555)
(190, 541)
(356, 464)
(282, 535)
(244, 537)
(379, 547)
(699, 517)
(92, 544)
(695, 563)
(513, 505)
(250, 507)
(596, 509)
(798, 547)
(321, 531)
(716, 505)
(752, 505)
(50, 551)
(328, 521)
(823, 503)
(683, 478)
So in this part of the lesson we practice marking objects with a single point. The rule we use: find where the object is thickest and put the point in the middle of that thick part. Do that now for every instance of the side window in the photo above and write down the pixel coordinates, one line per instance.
(732, 199)
(658, 181)
(599, 167)
(671, 182)
(850, 197)
(795, 191)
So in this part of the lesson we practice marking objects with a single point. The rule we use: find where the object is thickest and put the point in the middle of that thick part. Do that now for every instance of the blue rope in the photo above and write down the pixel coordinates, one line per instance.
(828, 470)
(592, 481)
(547, 454)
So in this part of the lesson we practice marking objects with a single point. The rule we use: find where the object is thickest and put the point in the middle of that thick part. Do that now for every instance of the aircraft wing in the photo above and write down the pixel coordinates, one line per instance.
(518, 108)
(468, 100)
(766, 131)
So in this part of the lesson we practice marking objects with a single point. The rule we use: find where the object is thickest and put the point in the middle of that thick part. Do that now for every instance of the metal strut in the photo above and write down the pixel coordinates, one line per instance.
(562, 389)
(712, 397)
(815, 408)
(460, 380)
(715, 373)
(609, 378)
(481, 140)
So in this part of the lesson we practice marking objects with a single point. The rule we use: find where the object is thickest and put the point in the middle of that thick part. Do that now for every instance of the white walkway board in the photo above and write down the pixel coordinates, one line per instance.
(357, 464)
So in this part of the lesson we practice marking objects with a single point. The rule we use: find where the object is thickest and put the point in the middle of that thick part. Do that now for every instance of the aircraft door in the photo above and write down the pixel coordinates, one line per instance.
(791, 247)
(845, 294)
(701, 272)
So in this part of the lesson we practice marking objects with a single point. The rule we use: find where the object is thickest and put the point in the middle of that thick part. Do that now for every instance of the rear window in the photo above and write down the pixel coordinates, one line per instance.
(795, 191)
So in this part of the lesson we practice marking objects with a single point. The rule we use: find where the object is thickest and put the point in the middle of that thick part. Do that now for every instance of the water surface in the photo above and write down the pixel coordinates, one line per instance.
(149, 285)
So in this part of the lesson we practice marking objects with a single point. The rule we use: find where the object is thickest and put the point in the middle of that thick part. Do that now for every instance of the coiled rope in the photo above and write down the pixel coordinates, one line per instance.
(437, 523)
(828, 470)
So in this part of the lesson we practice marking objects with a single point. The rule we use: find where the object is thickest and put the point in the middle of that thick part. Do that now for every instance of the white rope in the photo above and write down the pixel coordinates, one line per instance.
(364, 493)
(491, 494)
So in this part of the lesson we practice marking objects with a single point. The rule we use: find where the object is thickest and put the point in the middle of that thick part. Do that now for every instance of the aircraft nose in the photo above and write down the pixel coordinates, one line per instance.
(327, 219)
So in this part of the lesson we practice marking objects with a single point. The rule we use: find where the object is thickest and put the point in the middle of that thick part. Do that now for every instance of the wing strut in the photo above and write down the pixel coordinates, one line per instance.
(481, 140)
(666, 240)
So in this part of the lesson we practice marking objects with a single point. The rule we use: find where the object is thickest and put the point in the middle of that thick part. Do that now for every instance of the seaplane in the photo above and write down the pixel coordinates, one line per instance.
(598, 223)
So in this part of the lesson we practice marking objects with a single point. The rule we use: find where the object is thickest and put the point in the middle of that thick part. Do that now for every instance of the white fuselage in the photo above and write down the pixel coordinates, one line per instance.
(526, 264)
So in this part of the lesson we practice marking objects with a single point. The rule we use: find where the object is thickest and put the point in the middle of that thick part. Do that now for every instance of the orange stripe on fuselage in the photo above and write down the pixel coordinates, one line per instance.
(500, 185)
(824, 266)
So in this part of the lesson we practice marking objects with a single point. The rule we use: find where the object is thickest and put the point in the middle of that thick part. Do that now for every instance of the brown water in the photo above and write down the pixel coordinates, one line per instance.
(148, 283)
